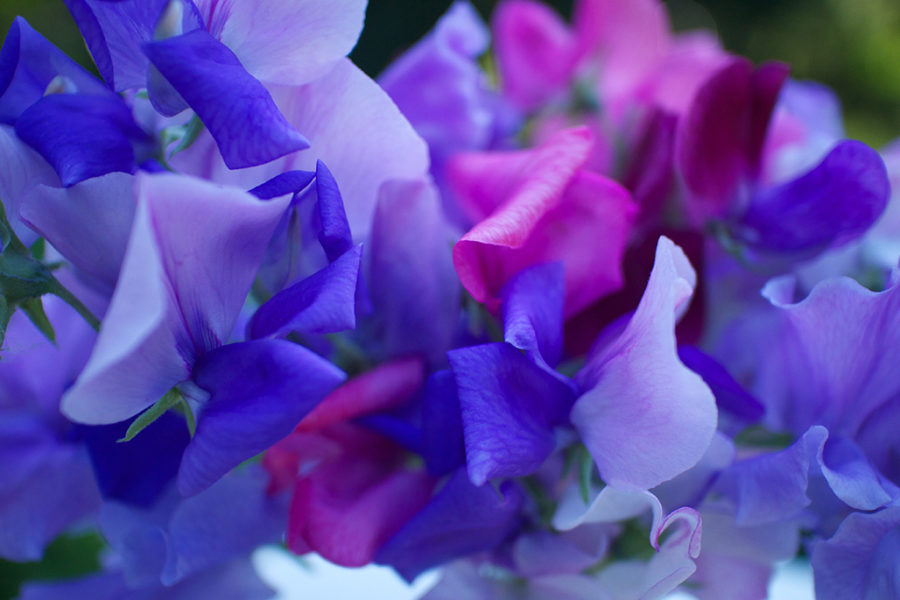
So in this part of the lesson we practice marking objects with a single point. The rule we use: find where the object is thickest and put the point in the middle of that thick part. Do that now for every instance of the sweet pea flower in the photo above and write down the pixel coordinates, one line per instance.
(724, 147)
(171, 316)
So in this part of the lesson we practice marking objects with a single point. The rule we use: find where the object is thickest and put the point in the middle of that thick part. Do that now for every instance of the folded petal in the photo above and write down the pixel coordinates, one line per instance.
(289, 182)
(236, 108)
(82, 135)
(532, 312)
(509, 409)
(646, 417)
(88, 224)
(28, 63)
(831, 205)
(324, 302)
(830, 356)
(414, 290)
(542, 209)
(461, 519)
(259, 391)
(860, 559)
(114, 33)
(179, 292)
(439, 87)
(344, 104)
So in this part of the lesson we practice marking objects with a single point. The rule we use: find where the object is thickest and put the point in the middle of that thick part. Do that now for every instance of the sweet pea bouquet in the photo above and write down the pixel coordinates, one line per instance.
(587, 310)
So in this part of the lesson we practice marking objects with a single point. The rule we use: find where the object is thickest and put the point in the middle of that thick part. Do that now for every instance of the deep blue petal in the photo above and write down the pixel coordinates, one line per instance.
(82, 136)
(136, 472)
(461, 519)
(236, 108)
(259, 392)
(533, 312)
(28, 63)
(324, 302)
(833, 204)
(334, 230)
(442, 433)
(289, 182)
(509, 408)
(730, 395)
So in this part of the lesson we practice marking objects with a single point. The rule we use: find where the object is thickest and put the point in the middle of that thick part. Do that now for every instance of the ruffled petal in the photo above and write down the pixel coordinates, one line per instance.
(646, 417)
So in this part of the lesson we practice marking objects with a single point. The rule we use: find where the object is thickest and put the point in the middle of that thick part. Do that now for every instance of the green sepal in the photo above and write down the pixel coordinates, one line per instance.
(189, 134)
(585, 474)
(146, 418)
(34, 308)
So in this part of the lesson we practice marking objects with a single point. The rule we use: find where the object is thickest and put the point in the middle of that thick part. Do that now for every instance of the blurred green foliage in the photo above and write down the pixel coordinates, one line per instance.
(852, 46)
(68, 557)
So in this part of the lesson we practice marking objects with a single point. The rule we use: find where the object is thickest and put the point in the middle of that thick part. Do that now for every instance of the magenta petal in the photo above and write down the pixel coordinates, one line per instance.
(720, 139)
(630, 38)
(388, 385)
(536, 52)
(541, 209)
(646, 417)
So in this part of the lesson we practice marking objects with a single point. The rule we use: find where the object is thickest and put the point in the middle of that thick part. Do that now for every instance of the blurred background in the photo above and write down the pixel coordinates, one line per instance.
(852, 46)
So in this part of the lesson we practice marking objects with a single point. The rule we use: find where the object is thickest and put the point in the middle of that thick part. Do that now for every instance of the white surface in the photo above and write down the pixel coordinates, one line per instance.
(313, 578)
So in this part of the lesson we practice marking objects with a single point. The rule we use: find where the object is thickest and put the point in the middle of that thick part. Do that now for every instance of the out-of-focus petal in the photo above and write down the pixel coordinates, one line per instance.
(411, 281)
(461, 519)
(831, 205)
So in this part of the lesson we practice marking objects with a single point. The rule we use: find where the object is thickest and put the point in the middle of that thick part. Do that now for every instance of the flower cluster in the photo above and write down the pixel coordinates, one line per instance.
(588, 310)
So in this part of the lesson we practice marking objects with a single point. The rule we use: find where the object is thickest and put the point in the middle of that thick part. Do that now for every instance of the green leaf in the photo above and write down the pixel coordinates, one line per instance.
(34, 308)
(172, 398)
(191, 132)
(585, 474)
(5, 313)
(38, 248)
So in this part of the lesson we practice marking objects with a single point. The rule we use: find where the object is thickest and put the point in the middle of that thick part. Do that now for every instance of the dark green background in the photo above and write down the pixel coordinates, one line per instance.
(851, 45)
